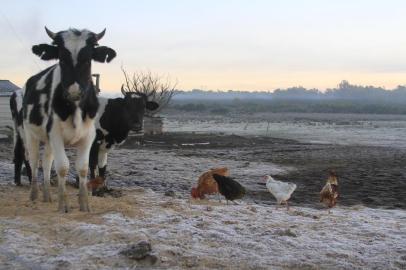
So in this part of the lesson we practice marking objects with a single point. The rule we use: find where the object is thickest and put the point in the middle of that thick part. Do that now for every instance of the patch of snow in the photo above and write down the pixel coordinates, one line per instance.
(243, 236)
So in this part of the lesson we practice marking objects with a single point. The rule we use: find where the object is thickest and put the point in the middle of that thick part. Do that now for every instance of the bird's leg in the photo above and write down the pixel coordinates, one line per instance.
(235, 203)
(287, 205)
(219, 196)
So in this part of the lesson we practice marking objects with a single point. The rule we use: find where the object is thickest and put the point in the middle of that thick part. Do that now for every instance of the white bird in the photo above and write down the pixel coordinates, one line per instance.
(280, 190)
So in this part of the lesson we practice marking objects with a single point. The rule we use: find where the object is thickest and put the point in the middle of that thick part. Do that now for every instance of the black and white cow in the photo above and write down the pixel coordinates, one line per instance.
(115, 119)
(60, 107)
(20, 155)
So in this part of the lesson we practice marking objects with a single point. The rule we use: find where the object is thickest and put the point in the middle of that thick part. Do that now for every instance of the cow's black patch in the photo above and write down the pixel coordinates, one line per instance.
(62, 106)
(93, 157)
(45, 51)
(102, 54)
(117, 120)
(102, 171)
(19, 158)
(89, 104)
(32, 96)
(49, 123)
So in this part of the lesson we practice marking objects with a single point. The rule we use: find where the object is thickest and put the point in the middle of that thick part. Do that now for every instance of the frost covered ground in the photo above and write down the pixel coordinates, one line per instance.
(210, 235)
(344, 129)
(196, 234)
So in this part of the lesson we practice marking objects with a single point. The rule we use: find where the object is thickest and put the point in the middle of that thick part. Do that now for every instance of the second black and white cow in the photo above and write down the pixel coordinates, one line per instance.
(20, 155)
(59, 109)
(116, 118)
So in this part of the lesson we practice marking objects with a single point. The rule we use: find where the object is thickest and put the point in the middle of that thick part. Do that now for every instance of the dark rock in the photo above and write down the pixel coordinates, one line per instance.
(287, 232)
(150, 259)
(170, 193)
(138, 251)
(105, 191)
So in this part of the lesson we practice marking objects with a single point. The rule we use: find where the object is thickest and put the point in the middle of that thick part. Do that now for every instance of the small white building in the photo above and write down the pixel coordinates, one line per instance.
(6, 89)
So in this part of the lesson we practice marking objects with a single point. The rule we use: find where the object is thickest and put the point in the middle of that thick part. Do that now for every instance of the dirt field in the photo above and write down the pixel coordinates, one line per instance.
(368, 175)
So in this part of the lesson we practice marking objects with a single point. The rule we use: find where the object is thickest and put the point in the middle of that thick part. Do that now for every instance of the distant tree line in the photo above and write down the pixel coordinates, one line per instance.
(344, 91)
(346, 98)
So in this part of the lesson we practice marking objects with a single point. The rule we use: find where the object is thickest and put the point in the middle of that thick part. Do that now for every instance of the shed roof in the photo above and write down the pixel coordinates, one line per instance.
(7, 87)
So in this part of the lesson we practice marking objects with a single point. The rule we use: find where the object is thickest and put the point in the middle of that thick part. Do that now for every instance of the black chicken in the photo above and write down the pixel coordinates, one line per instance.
(229, 188)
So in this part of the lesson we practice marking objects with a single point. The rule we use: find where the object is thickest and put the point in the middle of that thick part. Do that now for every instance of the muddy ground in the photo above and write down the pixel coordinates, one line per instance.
(368, 175)
(372, 176)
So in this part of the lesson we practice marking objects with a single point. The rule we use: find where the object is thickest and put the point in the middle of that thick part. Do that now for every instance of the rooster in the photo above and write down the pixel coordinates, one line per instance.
(329, 193)
(280, 190)
(229, 188)
(206, 184)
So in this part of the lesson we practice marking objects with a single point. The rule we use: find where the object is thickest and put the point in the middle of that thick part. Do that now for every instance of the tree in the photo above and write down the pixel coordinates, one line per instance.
(156, 87)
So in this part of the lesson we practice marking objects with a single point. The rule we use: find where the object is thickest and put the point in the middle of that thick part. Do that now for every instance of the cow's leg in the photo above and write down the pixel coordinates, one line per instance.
(93, 159)
(62, 168)
(46, 164)
(18, 159)
(82, 166)
(26, 155)
(102, 161)
(28, 169)
(33, 154)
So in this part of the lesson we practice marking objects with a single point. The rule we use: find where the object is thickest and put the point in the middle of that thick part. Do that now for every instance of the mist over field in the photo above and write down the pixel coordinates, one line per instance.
(346, 98)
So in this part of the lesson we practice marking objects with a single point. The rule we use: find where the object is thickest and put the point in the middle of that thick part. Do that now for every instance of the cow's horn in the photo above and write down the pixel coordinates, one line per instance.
(50, 33)
(100, 35)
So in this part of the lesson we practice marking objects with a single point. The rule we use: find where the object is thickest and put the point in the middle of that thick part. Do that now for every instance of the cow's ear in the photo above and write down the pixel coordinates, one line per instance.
(45, 51)
(103, 54)
(152, 105)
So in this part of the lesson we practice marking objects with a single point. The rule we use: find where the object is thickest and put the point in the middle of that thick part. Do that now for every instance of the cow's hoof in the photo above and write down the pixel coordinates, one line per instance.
(18, 184)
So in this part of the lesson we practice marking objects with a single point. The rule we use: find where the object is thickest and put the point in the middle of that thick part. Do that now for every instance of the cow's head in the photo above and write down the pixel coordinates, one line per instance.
(75, 49)
(137, 105)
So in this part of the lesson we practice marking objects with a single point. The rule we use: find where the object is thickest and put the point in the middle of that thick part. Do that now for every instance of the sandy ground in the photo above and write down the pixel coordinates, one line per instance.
(195, 234)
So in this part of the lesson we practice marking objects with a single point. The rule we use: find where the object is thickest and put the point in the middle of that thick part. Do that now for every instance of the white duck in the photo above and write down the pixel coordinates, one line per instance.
(280, 190)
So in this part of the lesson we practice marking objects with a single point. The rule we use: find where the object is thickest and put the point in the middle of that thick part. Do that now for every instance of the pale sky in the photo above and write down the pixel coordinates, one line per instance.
(220, 44)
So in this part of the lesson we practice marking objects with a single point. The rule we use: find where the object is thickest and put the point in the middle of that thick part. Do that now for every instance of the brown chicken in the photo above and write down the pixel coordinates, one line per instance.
(329, 193)
(206, 184)
(95, 183)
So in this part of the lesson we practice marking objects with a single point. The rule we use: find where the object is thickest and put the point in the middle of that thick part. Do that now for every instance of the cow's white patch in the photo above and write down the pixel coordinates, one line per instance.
(74, 129)
(74, 91)
(41, 82)
(37, 132)
(100, 111)
(74, 43)
(19, 98)
(56, 80)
